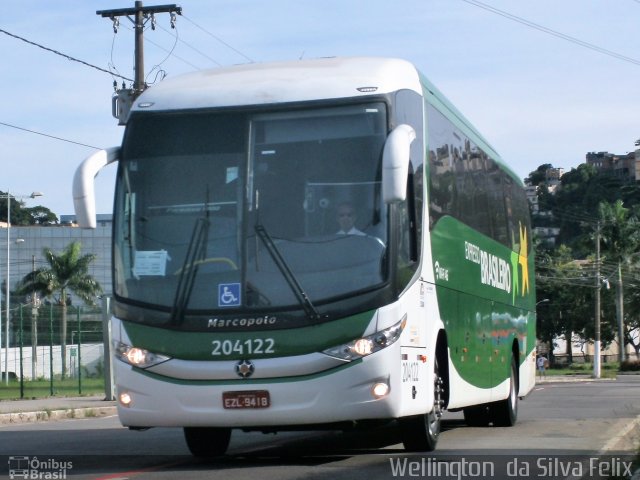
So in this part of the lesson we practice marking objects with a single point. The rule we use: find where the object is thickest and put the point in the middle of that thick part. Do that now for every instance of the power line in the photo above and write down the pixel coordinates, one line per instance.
(158, 65)
(218, 39)
(194, 48)
(555, 33)
(574, 216)
(68, 57)
(139, 15)
(213, 60)
(48, 136)
(170, 52)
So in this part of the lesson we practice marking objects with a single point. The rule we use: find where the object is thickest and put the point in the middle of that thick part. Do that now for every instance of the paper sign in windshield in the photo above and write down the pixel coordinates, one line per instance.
(150, 263)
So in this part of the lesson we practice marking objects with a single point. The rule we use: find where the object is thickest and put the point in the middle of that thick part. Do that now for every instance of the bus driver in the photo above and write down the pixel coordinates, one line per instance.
(346, 217)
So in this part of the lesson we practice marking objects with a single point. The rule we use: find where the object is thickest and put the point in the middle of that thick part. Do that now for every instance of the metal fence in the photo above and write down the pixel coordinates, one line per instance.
(34, 359)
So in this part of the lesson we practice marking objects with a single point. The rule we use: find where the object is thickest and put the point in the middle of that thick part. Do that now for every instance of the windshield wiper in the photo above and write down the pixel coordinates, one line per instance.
(196, 253)
(287, 273)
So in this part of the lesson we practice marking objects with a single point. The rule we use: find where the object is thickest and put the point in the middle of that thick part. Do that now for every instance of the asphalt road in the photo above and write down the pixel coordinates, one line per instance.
(560, 425)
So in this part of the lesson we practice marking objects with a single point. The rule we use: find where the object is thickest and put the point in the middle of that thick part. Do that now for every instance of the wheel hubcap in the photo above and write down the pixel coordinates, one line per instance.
(438, 406)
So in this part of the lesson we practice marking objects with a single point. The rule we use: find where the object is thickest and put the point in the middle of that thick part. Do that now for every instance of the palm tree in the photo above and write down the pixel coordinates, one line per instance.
(621, 238)
(67, 272)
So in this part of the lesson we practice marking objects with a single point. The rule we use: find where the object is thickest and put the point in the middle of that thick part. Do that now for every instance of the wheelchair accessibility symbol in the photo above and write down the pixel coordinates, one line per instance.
(229, 295)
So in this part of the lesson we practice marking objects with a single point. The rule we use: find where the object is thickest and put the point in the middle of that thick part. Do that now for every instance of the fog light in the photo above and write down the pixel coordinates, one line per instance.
(379, 390)
(125, 399)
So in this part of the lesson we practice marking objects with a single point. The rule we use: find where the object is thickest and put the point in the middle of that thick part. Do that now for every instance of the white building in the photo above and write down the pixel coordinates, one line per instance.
(27, 244)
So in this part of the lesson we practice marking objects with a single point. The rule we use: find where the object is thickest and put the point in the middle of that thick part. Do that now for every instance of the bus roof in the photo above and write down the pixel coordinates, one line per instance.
(298, 81)
(283, 82)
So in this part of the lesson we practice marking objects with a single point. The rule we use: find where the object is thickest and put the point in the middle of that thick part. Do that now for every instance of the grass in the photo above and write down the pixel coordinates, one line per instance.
(607, 370)
(42, 388)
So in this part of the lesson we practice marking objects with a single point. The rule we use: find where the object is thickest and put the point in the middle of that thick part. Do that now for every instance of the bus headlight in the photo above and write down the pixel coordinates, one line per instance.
(362, 347)
(137, 357)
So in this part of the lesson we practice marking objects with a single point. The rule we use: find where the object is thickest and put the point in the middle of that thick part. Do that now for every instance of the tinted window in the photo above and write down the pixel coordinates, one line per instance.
(467, 184)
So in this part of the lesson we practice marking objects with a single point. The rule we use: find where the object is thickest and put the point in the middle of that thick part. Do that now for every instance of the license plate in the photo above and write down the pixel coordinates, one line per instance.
(246, 399)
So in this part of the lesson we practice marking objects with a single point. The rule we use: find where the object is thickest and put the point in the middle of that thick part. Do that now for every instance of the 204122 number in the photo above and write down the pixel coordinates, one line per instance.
(251, 346)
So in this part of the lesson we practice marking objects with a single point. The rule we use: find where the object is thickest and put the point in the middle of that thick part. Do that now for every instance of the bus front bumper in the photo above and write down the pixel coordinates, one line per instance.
(345, 394)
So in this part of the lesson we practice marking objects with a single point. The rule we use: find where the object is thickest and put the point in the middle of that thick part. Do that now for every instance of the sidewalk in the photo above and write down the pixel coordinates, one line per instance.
(569, 378)
(55, 408)
(582, 377)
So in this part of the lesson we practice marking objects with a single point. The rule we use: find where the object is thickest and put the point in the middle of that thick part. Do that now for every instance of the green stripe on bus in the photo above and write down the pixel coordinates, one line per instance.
(247, 344)
(247, 381)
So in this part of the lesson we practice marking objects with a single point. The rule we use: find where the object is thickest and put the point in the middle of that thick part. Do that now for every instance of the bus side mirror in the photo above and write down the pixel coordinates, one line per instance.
(395, 163)
(84, 198)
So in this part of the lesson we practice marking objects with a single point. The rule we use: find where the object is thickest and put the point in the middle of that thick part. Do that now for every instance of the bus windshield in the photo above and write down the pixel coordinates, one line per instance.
(222, 212)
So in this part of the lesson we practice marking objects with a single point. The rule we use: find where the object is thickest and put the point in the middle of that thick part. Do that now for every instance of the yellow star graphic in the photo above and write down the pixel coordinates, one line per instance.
(524, 261)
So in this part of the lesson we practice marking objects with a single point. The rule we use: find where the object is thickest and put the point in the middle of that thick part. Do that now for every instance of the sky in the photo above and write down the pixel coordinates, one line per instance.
(536, 97)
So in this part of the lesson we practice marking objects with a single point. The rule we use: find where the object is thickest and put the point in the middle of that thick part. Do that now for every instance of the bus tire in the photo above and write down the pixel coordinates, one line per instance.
(207, 441)
(420, 433)
(505, 412)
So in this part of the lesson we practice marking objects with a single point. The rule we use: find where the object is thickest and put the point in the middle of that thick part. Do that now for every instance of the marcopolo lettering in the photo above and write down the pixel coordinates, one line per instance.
(241, 322)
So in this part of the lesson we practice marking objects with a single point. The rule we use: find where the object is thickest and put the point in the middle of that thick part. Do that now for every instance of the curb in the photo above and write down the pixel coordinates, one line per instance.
(61, 414)
(571, 379)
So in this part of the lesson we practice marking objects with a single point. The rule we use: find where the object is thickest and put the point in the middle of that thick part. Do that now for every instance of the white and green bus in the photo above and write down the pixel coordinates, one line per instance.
(313, 244)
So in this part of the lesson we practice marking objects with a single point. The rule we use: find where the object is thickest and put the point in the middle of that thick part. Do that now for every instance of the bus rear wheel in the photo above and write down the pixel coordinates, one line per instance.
(207, 441)
(420, 432)
(505, 412)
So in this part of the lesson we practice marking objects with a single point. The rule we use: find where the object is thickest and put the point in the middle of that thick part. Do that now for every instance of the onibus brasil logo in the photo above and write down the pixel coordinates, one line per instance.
(497, 272)
(37, 468)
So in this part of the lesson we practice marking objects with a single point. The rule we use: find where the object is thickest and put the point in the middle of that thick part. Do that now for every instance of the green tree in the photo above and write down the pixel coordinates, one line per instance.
(621, 239)
(582, 189)
(576, 208)
(40, 216)
(539, 175)
(569, 309)
(632, 321)
(22, 216)
(67, 272)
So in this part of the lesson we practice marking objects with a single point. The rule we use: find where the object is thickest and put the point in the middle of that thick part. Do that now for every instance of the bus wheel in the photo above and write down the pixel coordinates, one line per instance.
(505, 412)
(206, 441)
(420, 432)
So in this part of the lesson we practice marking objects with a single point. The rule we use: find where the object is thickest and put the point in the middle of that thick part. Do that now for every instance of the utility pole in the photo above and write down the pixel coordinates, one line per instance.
(596, 346)
(34, 324)
(139, 16)
(620, 314)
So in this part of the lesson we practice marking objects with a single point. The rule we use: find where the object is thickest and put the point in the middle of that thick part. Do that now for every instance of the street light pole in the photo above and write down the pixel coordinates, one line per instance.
(596, 342)
(6, 368)
(8, 300)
